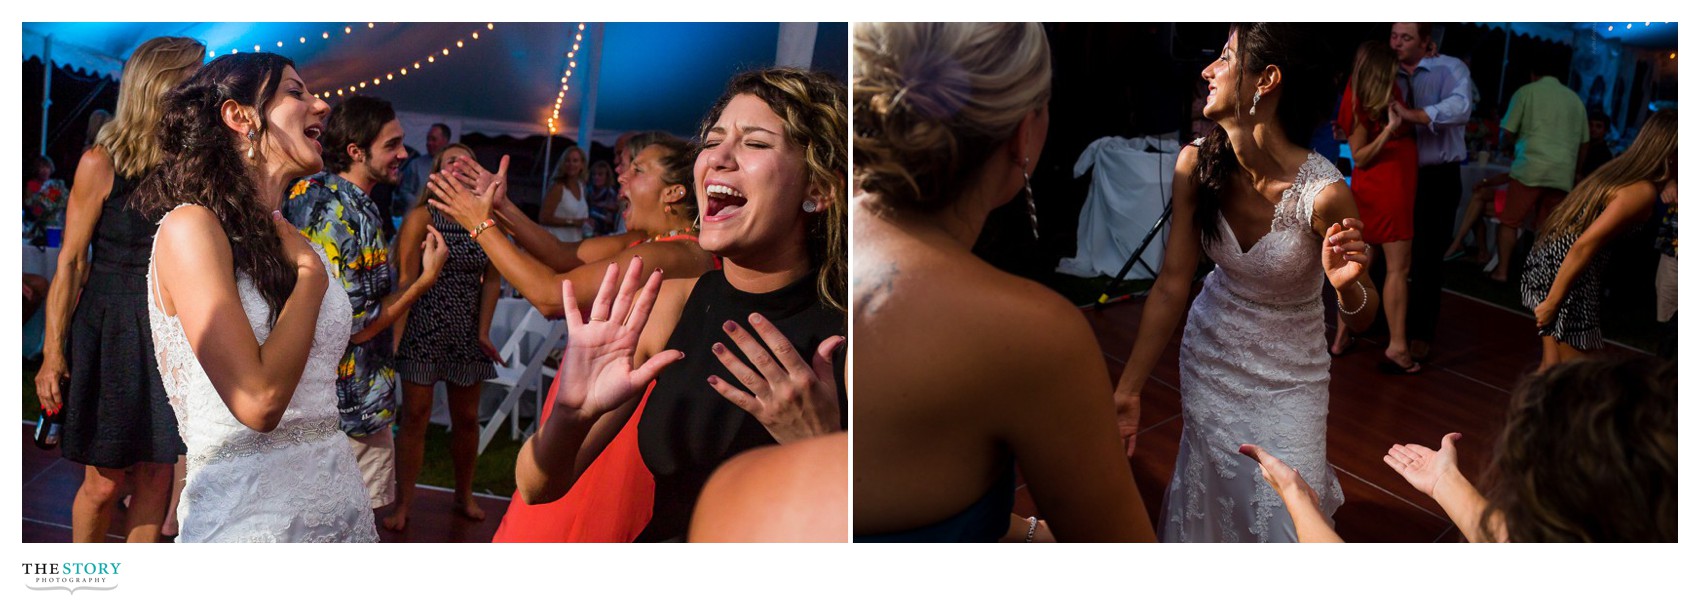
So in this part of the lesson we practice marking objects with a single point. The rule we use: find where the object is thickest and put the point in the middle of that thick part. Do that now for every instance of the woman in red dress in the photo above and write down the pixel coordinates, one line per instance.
(1384, 181)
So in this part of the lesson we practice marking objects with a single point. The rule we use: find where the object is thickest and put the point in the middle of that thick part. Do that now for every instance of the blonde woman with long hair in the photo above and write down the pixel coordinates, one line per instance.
(1562, 280)
(97, 361)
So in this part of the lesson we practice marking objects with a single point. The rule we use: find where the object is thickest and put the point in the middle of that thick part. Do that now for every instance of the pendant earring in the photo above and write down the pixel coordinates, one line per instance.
(252, 143)
(1032, 210)
(1255, 97)
(810, 206)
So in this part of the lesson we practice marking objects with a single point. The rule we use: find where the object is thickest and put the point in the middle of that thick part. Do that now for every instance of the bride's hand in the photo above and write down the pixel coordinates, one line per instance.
(1127, 419)
(1424, 467)
(1345, 256)
(596, 370)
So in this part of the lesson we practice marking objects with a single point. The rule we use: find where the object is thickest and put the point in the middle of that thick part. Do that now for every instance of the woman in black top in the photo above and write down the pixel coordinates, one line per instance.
(117, 419)
(745, 356)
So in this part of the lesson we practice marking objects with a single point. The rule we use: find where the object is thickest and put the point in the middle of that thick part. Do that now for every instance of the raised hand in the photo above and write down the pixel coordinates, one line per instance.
(1345, 256)
(436, 254)
(794, 399)
(473, 175)
(596, 370)
(1423, 467)
(1127, 420)
(468, 206)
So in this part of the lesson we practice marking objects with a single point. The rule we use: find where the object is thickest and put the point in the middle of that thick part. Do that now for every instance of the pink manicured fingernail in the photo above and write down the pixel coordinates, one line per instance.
(729, 326)
(756, 318)
(714, 381)
(719, 348)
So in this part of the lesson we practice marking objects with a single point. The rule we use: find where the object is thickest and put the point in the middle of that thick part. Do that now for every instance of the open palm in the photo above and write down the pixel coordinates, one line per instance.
(1421, 466)
(596, 370)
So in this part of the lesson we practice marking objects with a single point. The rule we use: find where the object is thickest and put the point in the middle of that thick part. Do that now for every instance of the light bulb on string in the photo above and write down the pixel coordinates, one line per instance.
(348, 30)
(460, 44)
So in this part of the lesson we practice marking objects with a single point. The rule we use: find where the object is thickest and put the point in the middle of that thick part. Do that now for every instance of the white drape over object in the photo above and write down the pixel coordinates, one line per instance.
(1131, 178)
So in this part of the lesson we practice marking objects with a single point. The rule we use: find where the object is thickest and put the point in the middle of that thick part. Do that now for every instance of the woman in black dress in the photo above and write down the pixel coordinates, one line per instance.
(446, 339)
(117, 419)
(770, 177)
(1562, 280)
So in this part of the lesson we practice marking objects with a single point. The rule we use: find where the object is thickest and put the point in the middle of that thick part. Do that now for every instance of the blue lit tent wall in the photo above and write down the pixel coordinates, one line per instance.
(1619, 66)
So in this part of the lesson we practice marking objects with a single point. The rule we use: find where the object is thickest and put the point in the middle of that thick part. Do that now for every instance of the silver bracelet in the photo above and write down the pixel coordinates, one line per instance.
(1032, 527)
(1363, 300)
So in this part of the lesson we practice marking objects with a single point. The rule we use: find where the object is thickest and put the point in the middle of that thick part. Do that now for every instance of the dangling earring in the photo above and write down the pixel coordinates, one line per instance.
(1256, 96)
(810, 206)
(252, 138)
(1032, 211)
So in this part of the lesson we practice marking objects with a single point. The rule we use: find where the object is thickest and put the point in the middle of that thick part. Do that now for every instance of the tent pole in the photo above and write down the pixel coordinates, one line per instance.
(796, 45)
(548, 147)
(46, 87)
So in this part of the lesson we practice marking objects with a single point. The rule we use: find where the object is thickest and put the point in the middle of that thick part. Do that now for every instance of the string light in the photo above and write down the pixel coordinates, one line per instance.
(390, 74)
(566, 76)
(326, 35)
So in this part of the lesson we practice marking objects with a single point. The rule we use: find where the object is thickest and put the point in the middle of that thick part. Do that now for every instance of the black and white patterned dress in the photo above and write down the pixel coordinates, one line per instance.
(1578, 322)
(441, 339)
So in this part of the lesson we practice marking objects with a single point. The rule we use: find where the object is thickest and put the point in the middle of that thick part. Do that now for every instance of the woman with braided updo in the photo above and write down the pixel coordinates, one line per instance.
(967, 371)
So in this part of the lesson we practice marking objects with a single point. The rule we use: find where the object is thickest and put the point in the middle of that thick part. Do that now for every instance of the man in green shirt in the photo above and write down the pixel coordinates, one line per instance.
(1551, 127)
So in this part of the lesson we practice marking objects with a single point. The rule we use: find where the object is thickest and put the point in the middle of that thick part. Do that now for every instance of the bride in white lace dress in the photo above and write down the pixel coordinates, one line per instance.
(1277, 220)
(246, 329)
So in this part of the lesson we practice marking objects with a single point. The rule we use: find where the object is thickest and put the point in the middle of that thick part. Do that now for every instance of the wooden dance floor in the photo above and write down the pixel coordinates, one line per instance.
(1480, 353)
(50, 482)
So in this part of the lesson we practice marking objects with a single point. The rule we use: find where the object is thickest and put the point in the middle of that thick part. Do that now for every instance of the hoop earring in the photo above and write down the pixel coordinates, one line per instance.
(1255, 97)
(253, 139)
(1032, 210)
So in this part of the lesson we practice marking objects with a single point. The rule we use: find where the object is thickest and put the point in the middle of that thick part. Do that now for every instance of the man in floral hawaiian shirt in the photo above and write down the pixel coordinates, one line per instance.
(362, 148)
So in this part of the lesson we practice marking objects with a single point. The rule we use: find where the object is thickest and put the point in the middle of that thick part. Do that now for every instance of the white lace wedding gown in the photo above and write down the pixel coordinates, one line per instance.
(1254, 369)
(297, 483)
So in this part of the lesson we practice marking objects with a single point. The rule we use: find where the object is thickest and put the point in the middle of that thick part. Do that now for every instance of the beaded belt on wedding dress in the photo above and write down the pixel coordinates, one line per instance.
(252, 443)
(1303, 306)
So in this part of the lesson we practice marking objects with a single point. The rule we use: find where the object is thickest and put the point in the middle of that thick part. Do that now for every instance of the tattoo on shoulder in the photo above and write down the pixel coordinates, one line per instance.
(874, 286)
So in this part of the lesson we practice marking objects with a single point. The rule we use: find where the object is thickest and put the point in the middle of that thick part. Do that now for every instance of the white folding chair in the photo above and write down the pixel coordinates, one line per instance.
(524, 355)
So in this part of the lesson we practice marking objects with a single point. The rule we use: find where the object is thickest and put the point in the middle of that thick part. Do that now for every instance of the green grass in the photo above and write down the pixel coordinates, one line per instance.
(494, 474)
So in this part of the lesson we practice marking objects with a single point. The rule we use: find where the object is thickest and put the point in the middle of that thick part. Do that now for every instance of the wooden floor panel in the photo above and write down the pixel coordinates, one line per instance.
(1479, 354)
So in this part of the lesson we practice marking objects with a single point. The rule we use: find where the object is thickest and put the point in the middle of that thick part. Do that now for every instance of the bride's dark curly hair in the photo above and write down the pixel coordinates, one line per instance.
(205, 164)
(1307, 90)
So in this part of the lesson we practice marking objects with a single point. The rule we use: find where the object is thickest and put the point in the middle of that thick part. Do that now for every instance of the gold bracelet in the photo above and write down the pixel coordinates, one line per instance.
(488, 223)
